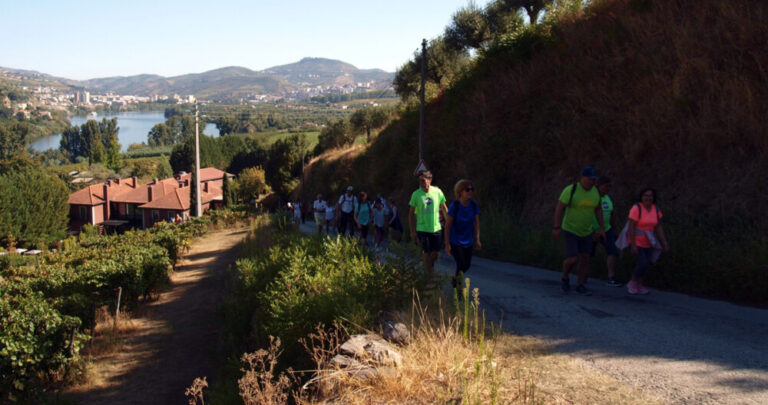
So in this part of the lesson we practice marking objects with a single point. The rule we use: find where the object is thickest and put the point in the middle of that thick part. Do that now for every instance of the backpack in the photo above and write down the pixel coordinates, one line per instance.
(573, 191)
(455, 207)
(344, 199)
(368, 203)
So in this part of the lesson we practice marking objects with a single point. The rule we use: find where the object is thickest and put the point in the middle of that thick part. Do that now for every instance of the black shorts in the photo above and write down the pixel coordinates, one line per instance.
(609, 243)
(577, 245)
(364, 231)
(430, 241)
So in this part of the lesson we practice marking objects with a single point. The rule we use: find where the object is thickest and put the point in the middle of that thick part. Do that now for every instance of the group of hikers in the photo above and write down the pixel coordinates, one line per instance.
(583, 219)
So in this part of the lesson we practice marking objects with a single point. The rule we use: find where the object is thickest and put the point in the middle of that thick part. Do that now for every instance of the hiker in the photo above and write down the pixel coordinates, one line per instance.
(297, 211)
(462, 228)
(363, 216)
(578, 205)
(304, 212)
(379, 220)
(319, 207)
(645, 236)
(345, 212)
(396, 228)
(330, 211)
(423, 219)
(609, 242)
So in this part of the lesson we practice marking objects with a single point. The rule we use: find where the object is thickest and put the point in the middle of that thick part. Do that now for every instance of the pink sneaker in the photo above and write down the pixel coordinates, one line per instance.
(632, 287)
(641, 289)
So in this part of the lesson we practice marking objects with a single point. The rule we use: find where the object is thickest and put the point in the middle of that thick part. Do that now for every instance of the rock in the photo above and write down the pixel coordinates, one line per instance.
(396, 332)
(355, 346)
(383, 353)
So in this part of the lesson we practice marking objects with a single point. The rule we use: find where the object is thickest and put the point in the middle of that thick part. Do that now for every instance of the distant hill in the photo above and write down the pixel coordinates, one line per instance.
(325, 72)
(226, 83)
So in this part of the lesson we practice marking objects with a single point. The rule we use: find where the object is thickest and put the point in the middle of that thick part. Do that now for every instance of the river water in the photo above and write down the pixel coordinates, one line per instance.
(134, 127)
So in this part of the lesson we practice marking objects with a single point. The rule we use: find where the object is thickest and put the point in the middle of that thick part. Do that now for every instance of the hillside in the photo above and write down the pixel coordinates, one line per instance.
(323, 72)
(653, 93)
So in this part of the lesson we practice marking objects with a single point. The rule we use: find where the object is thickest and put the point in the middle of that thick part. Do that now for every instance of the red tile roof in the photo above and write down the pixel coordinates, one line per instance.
(140, 195)
(178, 199)
(94, 194)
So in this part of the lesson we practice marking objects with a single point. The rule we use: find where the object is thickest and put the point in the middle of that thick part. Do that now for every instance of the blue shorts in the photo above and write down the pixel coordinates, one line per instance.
(577, 245)
(609, 243)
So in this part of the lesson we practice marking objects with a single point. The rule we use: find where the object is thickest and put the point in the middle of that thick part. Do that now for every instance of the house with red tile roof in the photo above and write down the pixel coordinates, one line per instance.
(123, 202)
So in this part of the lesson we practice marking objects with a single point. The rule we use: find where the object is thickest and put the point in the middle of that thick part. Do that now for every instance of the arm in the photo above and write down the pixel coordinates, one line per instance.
(354, 216)
(447, 238)
(600, 220)
(412, 222)
(478, 245)
(559, 211)
(631, 233)
(393, 214)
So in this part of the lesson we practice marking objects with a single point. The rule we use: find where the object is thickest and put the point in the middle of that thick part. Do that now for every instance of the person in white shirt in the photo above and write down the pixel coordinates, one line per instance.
(319, 207)
(345, 212)
(330, 211)
(297, 211)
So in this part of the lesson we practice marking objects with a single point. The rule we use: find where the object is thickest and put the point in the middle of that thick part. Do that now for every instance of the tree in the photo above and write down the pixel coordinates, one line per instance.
(368, 118)
(160, 134)
(336, 134)
(33, 205)
(193, 194)
(252, 183)
(92, 140)
(225, 190)
(469, 28)
(532, 7)
(285, 163)
(13, 139)
(444, 64)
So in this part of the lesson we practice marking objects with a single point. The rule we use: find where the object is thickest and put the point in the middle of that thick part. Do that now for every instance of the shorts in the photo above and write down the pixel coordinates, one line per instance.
(577, 245)
(364, 231)
(430, 241)
(609, 243)
(320, 221)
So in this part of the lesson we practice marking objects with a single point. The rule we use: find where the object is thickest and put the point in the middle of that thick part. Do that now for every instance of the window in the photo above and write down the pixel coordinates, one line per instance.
(171, 216)
(155, 215)
(130, 209)
(83, 213)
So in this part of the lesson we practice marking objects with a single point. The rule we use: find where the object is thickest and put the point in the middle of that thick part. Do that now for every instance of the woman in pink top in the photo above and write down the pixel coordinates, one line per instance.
(644, 228)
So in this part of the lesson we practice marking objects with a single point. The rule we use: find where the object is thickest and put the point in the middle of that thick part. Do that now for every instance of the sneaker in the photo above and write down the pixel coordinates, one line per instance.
(613, 283)
(641, 289)
(583, 290)
(565, 285)
(632, 287)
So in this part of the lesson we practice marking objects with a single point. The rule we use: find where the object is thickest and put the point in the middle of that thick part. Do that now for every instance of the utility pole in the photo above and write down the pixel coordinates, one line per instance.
(198, 208)
(421, 95)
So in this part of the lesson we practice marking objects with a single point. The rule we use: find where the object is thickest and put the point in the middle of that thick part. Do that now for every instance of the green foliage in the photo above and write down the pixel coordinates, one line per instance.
(13, 139)
(336, 134)
(44, 308)
(285, 163)
(33, 204)
(368, 118)
(251, 183)
(97, 141)
(300, 282)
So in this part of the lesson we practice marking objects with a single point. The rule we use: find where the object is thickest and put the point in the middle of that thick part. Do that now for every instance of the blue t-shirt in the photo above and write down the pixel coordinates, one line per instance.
(463, 229)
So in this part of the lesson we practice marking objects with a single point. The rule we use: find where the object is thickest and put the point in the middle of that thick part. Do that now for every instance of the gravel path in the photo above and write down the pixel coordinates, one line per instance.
(675, 348)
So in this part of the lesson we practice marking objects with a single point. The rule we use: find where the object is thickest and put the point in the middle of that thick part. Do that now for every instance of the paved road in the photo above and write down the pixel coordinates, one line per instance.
(674, 347)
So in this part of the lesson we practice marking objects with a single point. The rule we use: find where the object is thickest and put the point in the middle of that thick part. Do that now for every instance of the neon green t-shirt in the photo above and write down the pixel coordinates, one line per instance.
(607, 205)
(427, 209)
(581, 212)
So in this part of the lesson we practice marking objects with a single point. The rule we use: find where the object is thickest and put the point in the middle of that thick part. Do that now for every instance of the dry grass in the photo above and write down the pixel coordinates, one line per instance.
(443, 364)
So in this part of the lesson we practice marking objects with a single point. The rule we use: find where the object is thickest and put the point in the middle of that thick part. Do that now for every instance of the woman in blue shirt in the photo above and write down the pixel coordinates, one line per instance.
(462, 227)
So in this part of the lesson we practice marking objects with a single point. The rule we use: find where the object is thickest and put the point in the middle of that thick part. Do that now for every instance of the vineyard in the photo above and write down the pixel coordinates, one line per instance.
(47, 306)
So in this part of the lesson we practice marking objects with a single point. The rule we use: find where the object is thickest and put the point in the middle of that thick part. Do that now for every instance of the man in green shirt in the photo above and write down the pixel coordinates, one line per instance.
(577, 207)
(424, 219)
(609, 242)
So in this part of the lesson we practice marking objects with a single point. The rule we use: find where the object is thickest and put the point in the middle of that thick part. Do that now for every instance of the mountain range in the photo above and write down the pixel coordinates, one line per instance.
(229, 82)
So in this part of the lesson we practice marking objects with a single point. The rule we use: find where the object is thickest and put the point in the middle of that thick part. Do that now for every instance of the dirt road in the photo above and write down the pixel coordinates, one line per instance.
(176, 340)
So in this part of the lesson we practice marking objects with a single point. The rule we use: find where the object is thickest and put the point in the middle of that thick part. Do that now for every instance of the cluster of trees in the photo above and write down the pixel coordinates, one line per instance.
(472, 29)
(96, 141)
(362, 95)
(175, 129)
(343, 132)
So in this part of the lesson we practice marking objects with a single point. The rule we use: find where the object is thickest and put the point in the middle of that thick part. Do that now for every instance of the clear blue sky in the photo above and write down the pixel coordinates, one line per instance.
(88, 39)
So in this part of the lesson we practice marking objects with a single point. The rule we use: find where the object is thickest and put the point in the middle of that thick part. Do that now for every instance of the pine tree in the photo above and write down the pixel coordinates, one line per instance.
(225, 190)
(193, 195)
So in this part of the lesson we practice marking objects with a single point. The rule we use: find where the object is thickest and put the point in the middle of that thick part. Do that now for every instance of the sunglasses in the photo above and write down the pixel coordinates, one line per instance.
(469, 189)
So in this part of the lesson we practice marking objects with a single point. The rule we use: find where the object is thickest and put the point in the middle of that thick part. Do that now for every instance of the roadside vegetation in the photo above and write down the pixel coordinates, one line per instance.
(653, 93)
(48, 304)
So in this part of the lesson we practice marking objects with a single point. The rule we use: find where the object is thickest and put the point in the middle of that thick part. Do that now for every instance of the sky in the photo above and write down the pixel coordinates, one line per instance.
(90, 39)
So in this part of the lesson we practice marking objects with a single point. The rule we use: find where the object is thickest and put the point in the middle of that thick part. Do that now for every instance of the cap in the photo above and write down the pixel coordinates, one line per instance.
(589, 172)
(350, 188)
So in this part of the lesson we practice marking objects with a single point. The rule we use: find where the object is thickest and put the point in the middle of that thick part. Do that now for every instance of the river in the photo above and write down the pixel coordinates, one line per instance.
(134, 127)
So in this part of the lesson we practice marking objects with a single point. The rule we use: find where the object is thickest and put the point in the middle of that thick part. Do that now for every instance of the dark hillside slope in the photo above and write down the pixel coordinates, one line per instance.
(661, 93)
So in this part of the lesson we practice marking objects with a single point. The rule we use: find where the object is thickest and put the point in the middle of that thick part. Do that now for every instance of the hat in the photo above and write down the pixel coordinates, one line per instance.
(350, 188)
(589, 172)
